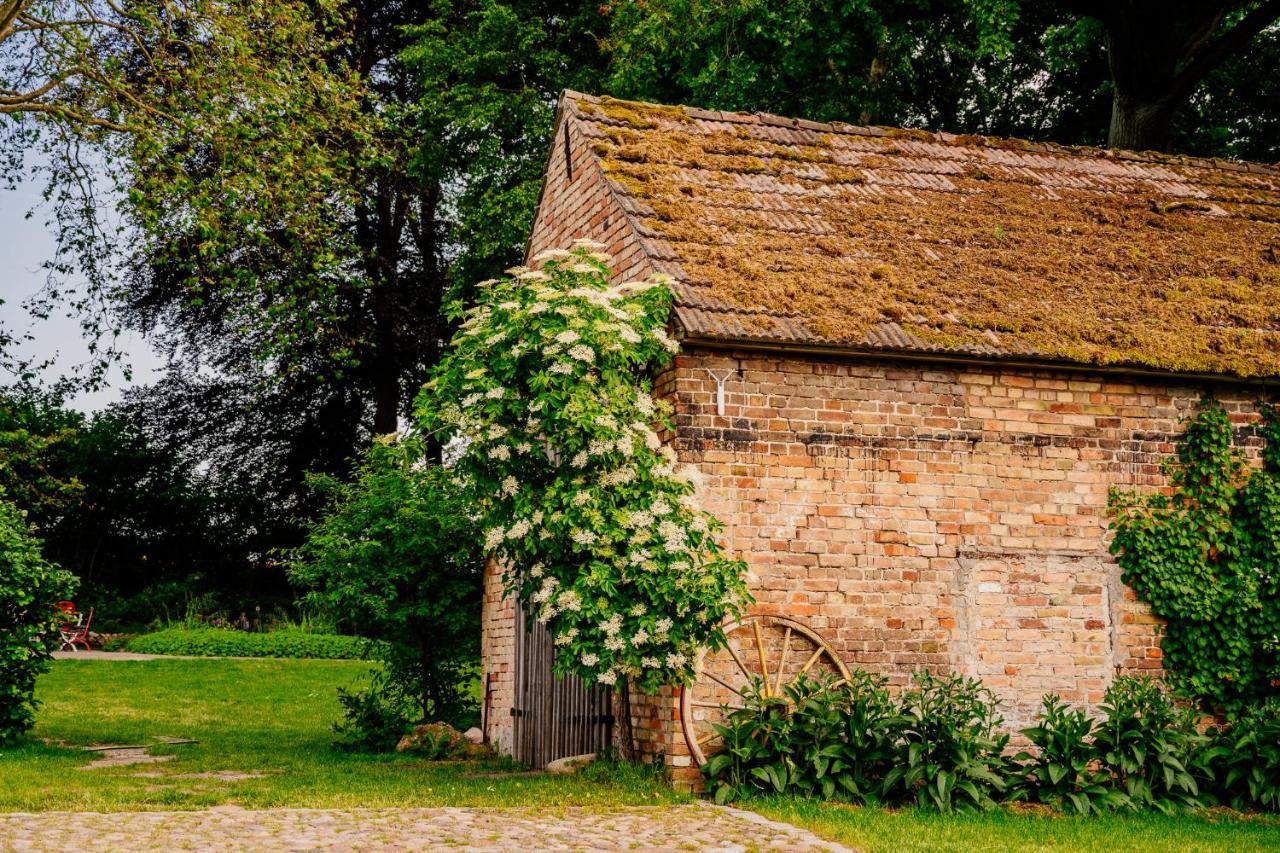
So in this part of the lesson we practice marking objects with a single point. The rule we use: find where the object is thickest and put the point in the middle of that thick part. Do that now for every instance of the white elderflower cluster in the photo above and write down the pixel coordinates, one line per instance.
(582, 352)
(494, 537)
(552, 255)
(500, 452)
(581, 498)
(618, 476)
(561, 367)
(509, 486)
(675, 660)
(589, 658)
(519, 530)
(568, 336)
(609, 677)
(640, 638)
(584, 537)
(650, 663)
(639, 519)
(569, 600)
(672, 534)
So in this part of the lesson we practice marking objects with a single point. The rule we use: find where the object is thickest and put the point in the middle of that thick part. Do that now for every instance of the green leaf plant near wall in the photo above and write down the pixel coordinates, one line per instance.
(1205, 554)
(546, 390)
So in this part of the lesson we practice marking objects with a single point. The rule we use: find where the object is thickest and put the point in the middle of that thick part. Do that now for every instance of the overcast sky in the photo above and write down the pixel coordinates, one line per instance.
(24, 245)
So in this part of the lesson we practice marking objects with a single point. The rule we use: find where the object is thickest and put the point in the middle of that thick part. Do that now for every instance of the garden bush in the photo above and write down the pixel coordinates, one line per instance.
(1149, 746)
(1245, 759)
(1063, 771)
(951, 752)
(815, 740)
(222, 642)
(30, 587)
(939, 746)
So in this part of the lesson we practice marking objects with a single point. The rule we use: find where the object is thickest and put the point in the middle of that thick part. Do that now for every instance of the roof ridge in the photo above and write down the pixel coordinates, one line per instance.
(942, 137)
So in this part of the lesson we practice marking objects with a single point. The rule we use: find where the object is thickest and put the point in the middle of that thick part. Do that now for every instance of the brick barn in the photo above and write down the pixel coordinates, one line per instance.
(913, 366)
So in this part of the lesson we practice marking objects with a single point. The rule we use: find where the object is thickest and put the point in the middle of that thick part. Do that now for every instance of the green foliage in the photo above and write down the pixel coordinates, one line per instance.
(397, 559)
(223, 642)
(1245, 757)
(30, 587)
(1205, 558)
(938, 746)
(815, 740)
(1149, 746)
(950, 755)
(373, 718)
(1063, 769)
(599, 532)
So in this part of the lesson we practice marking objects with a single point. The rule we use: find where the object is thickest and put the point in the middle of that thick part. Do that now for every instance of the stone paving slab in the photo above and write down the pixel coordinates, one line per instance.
(694, 827)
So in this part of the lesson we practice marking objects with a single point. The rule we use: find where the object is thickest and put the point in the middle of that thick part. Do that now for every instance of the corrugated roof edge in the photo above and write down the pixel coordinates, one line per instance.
(945, 137)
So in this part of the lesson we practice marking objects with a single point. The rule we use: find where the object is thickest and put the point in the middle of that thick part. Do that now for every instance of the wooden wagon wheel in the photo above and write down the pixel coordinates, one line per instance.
(774, 649)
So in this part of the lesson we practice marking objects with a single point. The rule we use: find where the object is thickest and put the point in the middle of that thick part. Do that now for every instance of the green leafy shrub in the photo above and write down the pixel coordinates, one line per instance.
(1149, 746)
(375, 718)
(1063, 771)
(30, 587)
(780, 744)
(937, 746)
(597, 526)
(816, 740)
(397, 559)
(1245, 757)
(222, 642)
(951, 753)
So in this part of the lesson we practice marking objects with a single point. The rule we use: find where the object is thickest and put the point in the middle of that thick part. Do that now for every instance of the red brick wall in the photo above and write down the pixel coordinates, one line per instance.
(497, 656)
(950, 518)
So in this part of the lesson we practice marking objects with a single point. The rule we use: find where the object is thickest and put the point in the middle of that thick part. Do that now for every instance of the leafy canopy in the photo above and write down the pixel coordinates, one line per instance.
(547, 387)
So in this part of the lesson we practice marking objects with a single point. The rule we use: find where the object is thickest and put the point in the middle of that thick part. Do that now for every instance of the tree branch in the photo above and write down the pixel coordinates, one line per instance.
(1218, 51)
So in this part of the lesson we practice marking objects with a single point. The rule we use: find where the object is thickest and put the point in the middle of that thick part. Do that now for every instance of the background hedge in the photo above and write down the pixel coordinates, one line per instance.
(221, 642)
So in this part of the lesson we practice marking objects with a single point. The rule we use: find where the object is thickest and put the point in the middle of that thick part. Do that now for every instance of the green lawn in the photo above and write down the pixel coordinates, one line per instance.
(901, 831)
(258, 716)
(272, 717)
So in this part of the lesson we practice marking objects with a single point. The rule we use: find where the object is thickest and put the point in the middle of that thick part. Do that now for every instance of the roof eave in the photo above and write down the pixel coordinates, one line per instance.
(855, 352)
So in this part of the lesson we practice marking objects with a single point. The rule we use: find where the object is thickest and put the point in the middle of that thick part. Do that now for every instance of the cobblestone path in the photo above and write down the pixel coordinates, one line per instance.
(693, 827)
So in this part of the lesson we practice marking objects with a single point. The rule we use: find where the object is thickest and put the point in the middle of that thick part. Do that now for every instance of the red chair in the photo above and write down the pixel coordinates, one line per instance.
(74, 632)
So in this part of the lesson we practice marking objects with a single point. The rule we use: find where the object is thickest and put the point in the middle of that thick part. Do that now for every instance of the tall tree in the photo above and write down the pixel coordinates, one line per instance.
(1160, 51)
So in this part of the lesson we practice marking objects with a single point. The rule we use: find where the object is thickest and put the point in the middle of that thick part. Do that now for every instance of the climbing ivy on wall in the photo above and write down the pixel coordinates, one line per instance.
(1206, 556)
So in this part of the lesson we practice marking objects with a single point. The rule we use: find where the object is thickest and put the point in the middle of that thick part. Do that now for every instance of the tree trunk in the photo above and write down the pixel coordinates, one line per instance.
(1137, 125)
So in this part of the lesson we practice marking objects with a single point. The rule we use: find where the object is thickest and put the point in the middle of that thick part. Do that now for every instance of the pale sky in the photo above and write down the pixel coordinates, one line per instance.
(24, 245)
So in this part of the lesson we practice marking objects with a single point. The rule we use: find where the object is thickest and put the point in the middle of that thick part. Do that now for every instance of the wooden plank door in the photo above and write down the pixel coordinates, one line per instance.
(553, 716)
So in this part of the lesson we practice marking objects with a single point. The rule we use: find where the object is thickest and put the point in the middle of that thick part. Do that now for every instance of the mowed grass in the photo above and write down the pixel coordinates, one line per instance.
(904, 830)
(269, 717)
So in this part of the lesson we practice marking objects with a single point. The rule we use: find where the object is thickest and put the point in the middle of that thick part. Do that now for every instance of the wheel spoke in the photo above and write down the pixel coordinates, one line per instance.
(708, 738)
(728, 644)
(813, 658)
(782, 664)
(717, 679)
(764, 666)
(718, 705)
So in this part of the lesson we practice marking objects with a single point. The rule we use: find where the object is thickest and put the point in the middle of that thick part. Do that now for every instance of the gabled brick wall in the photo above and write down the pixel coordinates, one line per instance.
(917, 515)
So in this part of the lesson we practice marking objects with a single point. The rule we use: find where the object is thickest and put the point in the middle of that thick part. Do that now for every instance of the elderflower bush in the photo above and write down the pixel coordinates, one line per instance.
(593, 519)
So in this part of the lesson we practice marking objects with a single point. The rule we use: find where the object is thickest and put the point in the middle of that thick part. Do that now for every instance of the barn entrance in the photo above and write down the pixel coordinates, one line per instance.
(553, 716)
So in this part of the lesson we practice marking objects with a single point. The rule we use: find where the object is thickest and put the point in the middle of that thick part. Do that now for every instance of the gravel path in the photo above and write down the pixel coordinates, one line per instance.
(695, 827)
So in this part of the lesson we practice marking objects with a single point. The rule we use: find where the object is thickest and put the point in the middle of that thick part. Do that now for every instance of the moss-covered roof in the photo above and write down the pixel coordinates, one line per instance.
(784, 230)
